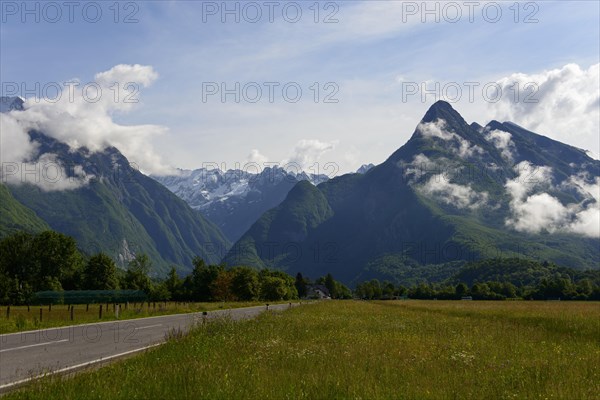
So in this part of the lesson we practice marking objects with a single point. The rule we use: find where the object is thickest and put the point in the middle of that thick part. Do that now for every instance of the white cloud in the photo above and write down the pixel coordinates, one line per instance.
(256, 157)
(587, 222)
(451, 193)
(435, 129)
(309, 151)
(465, 149)
(421, 165)
(537, 212)
(561, 103)
(439, 186)
(123, 74)
(438, 129)
(47, 173)
(530, 178)
(14, 137)
(534, 210)
(590, 190)
(503, 142)
(306, 156)
(85, 117)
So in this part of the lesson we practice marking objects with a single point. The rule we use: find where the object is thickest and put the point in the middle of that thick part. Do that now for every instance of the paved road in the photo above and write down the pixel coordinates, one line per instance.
(29, 355)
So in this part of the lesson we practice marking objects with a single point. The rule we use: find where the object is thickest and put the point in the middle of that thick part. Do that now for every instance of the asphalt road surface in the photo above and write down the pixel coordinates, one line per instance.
(29, 355)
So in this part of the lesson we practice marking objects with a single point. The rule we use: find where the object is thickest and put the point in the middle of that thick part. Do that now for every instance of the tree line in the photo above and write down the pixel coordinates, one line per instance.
(51, 261)
(553, 288)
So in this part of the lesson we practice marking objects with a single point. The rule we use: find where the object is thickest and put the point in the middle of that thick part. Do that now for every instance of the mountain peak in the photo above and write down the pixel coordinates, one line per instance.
(442, 104)
(441, 110)
(446, 123)
(10, 103)
(365, 168)
(476, 126)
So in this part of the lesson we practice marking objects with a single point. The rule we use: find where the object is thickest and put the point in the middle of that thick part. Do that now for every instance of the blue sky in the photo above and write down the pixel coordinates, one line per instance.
(374, 50)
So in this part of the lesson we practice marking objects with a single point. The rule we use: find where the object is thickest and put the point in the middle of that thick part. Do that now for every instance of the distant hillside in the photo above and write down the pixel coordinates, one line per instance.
(16, 217)
(519, 272)
(235, 199)
(453, 193)
(121, 211)
(106, 205)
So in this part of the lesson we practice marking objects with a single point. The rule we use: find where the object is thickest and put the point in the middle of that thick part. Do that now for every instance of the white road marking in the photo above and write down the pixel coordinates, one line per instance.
(149, 326)
(3, 335)
(34, 345)
(67, 369)
(243, 310)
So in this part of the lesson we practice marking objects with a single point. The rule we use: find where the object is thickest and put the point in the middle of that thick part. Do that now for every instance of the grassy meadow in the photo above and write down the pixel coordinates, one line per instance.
(22, 318)
(365, 350)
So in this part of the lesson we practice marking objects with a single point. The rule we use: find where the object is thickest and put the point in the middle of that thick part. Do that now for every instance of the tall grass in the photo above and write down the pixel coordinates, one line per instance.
(365, 350)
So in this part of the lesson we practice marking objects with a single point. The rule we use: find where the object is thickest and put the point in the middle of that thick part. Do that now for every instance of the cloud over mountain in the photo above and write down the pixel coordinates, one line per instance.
(563, 103)
(503, 142)
(82, 115)
(454, 194)
(439, 129)
(308, 151)
(305, 154)
(535, 210)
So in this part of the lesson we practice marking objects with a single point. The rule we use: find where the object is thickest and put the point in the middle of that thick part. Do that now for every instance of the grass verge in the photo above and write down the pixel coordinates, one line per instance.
(367, 350)
(23, 319)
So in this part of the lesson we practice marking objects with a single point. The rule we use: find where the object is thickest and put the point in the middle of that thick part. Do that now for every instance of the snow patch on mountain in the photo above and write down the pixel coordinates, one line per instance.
(202, 187)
